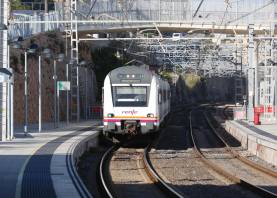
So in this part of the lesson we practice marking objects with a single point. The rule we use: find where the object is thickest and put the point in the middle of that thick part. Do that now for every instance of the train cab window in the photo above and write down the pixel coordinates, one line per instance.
(130, 96)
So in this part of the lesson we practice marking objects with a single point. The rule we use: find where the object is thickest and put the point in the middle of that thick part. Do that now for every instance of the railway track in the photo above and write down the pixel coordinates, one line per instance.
(237, 155)
(106, 183)
(227, 174)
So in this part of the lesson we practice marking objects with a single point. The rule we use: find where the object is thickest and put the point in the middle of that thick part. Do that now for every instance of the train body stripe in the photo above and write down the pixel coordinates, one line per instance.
(149, 120)
(118, 120)
(111, 120)
(131, 117)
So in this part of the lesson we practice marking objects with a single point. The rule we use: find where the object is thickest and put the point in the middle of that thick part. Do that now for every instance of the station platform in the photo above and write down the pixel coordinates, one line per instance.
(260, 140)
(43, 164)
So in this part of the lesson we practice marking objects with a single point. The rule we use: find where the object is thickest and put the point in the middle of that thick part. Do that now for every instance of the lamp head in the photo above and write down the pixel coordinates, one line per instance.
(16, 45)
(82, 63)
(46, 51)
(60, 58)
(31, 51)
(72, 61)
(3, 27)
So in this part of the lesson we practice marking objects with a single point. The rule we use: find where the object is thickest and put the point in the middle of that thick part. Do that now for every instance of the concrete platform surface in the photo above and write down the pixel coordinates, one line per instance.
(268, 131)
(269, 128)
(25, 162)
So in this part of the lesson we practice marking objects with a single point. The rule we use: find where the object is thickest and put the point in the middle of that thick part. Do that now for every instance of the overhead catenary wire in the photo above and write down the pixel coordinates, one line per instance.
(251, 12)
(198, 8)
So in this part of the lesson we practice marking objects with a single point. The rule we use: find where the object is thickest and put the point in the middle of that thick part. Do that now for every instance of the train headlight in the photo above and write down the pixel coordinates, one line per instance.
(110, 115)
(150, 115)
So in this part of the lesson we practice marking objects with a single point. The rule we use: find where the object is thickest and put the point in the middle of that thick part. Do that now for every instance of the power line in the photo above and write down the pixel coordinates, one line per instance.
(249, 13)
(199, 6)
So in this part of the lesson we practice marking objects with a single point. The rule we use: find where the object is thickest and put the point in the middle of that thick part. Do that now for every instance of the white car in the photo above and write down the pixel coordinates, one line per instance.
(176, 36)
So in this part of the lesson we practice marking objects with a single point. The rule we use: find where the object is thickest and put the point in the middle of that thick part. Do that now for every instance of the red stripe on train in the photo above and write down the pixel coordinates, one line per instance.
(117, 120)
(111, 120)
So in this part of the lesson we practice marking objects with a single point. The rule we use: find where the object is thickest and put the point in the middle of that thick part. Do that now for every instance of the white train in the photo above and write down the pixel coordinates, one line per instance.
(135, 100)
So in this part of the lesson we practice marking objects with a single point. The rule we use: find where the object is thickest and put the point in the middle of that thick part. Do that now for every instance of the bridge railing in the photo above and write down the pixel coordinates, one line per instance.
(175, 10)
(29, 29)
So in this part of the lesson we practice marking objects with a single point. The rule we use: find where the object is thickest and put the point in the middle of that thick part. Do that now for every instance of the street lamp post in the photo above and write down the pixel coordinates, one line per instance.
(55, 93)
(67, 97)
(39, 95)
(47, 53)
(60, 58)
(26, 51)
(26, 94)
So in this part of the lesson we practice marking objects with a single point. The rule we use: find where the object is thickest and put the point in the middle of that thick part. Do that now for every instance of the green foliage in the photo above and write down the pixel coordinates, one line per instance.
(192, 80)
(16, 5)
(168, 75)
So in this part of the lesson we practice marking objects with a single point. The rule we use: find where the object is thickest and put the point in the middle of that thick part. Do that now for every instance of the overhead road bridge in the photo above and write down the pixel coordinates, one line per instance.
(174, 16)
(96, 26)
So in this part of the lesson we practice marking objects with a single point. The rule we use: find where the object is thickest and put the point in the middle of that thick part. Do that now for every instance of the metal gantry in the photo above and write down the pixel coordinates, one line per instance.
(75, 91)
(199, 54)
(267, 79)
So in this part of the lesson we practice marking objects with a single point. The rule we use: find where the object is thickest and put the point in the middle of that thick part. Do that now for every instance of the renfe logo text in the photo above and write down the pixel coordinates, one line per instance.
(133, 112)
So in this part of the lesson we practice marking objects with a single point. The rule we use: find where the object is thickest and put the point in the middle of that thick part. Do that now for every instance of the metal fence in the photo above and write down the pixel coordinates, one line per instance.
(29, 29)
(37, 5)
(213, 11)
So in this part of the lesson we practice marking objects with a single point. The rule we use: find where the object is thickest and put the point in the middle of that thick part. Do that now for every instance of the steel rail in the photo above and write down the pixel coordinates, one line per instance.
(221, 171)
(102, 175)
(235, 154)
(155, 178)
(106, 184)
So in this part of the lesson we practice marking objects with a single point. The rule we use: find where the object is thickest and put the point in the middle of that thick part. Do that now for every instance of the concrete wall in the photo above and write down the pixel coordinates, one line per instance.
(260, 146)
(220, 88)
(56, 43)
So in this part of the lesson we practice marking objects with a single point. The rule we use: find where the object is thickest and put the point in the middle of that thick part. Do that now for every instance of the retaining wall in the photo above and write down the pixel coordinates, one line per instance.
(263, 147)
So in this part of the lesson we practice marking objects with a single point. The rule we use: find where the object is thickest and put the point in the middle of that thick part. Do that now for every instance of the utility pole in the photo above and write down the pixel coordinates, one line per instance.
(251, 72)
(256, 56)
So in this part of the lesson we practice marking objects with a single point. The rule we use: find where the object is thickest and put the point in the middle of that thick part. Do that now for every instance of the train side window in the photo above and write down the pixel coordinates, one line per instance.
(160, 97)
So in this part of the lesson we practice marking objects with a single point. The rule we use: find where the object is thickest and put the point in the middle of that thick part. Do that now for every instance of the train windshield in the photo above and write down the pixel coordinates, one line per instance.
(130, 96)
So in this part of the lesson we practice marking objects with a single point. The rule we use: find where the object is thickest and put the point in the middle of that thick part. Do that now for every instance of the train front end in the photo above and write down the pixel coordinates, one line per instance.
(129, 107)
